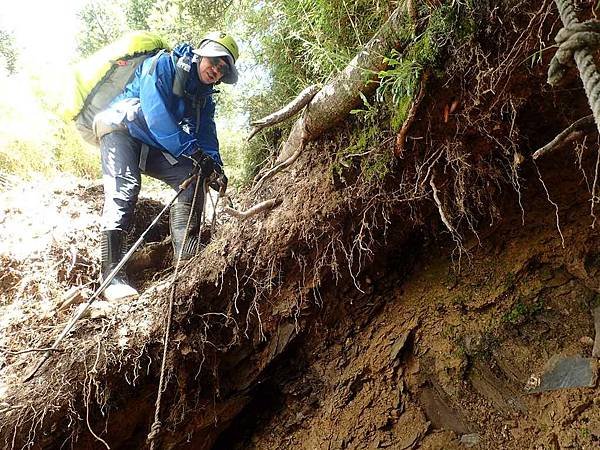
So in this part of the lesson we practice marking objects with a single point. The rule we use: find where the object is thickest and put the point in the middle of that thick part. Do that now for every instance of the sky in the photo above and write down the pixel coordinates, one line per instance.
(47, 27)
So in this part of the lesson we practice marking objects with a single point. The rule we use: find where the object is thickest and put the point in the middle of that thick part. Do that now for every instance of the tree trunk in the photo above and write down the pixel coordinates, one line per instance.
(337, 98)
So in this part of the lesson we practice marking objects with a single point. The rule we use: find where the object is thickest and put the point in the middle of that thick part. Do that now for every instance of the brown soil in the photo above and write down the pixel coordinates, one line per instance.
(351, 316)
(425, 359)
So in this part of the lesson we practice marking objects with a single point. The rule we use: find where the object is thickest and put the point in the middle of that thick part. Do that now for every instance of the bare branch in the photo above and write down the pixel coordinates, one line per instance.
(582, 124)
(263, 206)
(287, 111)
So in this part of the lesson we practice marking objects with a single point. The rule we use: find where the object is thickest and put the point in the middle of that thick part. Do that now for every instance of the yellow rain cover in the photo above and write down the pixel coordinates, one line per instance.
(89, 72)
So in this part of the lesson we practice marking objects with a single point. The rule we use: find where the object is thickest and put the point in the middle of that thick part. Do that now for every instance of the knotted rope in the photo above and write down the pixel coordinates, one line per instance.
(577, 41)
(156, 427)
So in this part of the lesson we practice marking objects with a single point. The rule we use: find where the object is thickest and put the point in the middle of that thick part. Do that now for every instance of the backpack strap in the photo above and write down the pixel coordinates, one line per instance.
(155, 61)
(182, 71)
(183, 66)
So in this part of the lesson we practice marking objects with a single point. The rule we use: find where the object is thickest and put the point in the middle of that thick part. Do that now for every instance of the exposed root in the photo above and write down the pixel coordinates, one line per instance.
(287, 111)
(278, 168)
(455, 235)
(569, 134)
(401, 138)
(87, 393)
(562, 238)
(256, 209)
(595, 198)
(29, 350)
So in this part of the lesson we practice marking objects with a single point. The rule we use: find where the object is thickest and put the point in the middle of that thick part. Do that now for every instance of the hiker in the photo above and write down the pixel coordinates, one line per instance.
(154, 127)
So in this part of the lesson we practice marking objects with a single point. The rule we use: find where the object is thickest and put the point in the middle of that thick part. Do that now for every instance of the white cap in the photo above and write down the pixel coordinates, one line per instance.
(214, 49)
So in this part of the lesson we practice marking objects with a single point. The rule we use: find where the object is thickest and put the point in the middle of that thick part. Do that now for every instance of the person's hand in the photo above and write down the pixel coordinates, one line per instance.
(222, 181)
(205, 163)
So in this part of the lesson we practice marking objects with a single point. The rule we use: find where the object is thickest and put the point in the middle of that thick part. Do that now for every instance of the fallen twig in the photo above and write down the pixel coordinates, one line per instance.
(287, 111)
(566, 135)
(263, 206)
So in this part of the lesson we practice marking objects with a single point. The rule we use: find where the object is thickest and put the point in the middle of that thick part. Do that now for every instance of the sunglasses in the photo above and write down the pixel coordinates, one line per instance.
(220, 64)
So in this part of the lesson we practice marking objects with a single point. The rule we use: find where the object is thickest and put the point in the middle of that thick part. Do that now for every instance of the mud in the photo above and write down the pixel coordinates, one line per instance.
(441, 357)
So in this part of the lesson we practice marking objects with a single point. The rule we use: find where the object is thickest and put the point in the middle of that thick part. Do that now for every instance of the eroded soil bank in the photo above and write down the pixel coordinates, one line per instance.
(427, 347)
(434, 358)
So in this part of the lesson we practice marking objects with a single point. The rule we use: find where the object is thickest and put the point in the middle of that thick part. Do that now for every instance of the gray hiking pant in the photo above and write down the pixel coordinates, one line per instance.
(121, 175)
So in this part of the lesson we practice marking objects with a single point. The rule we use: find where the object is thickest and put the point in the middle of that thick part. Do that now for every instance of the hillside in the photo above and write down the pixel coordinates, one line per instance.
(412, 288)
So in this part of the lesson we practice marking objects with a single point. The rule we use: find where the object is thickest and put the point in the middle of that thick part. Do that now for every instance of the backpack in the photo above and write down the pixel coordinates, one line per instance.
(102, 76)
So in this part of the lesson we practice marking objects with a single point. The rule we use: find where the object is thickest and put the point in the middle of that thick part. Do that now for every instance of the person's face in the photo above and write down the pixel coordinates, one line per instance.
(211, 70)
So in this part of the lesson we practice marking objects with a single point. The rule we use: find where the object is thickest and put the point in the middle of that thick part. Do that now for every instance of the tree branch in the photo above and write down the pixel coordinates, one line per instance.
(338, 97)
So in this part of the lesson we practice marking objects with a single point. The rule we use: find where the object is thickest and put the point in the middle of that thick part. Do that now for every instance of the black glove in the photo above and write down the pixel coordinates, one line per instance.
(205, 163)
(220, 184)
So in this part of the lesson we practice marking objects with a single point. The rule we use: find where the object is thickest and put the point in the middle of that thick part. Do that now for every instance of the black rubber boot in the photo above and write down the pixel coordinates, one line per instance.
(112, 251)
(178, 218)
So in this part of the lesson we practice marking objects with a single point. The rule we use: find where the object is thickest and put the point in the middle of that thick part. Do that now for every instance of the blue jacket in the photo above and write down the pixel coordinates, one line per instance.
(166, 121)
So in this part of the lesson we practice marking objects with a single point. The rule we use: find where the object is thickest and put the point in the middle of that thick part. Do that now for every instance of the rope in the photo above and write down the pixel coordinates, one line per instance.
(202, 216)
(576, 42)
(157, 425)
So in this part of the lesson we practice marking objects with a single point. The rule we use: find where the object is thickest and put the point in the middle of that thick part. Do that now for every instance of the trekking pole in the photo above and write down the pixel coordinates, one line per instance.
(108, 279)
(155, 429)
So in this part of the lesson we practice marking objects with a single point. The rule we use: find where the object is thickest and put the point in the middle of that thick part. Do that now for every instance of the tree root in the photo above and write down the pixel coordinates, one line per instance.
(263, 206)
(29, 350)
(278, 168)
(568, 134)
(440, 207)
(401, 138)
(287, 111)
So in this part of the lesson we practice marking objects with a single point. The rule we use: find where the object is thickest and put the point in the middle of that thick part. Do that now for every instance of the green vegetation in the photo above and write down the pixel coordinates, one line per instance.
(400, 82)
(522, 311)
(365, 146)
(286, 45)
(8, 52)
(33, 141)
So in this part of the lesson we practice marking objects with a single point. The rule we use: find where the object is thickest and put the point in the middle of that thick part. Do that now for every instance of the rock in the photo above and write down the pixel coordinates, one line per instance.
(587, 341)
(562, 372)
(400, 342)
(470, 440)
(100, 309)
(596, 349)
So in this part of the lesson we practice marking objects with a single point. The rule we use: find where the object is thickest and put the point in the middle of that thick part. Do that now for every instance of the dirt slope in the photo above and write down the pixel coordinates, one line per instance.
(349, 316)
(436, 359)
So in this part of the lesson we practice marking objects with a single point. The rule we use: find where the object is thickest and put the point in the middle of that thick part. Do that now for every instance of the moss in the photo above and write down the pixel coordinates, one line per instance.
(376, 166)
(400, 81)
(400, 113)
(398, 86)
(522, 311)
